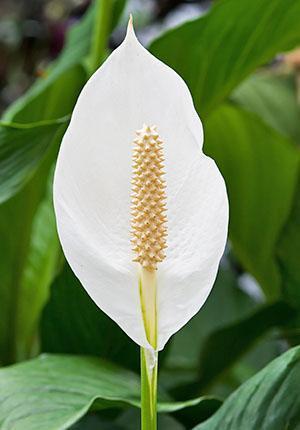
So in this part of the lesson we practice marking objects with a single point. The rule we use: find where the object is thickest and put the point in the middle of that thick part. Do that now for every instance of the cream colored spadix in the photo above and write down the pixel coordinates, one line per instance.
(148, 199)
(174, 225)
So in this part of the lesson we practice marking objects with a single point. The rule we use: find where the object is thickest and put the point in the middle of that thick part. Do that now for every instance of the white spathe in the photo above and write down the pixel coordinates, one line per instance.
(92, 192)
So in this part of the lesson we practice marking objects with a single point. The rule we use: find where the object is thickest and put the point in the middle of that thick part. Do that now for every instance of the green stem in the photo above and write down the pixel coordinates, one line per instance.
(148, 285)
(100, 34)
(148, 389)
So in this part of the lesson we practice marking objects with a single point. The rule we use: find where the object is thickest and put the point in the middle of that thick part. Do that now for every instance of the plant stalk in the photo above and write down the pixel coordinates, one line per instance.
(100, 34)
(149, 357)
(148, 389)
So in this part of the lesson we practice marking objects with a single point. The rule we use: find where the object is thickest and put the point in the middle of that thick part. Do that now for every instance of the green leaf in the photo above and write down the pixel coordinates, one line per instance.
(237, 338)
(180, 373)
(200, 412)
(229, 302)
(54, 391)
(260, 170)
(92, 332)
(17, 243)
(288, 252)
(216, 52)
(22, 147)
(268, 401)
(274, 99)
(40, 267)
(240, 325)
(51, 97)
(128, 420)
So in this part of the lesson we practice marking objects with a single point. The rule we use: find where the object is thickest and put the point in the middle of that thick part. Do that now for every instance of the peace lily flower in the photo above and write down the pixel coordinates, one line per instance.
(142, 213)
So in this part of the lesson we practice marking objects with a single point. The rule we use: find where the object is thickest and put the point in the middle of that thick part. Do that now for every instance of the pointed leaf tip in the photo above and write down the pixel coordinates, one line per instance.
(130, 21)
(130, 28)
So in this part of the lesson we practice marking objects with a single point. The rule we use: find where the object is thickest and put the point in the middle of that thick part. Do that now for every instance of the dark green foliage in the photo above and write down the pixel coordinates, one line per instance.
(268, 401)
(261, 168)
(236, 338)
(54, 391)
(216, 52)
(72, 323)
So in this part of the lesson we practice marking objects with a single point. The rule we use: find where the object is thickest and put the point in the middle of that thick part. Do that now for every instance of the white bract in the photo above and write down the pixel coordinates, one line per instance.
(92, 193)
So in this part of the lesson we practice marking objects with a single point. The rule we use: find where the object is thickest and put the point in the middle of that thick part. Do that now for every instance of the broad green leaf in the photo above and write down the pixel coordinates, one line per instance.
(92, 333)
(22, 148)
(16, 232)
(260, 170)
(216, 52)
(288, 252)
(93, 422)
(241, 325)
(54, 391)
(129, 420)
(229, 302)
(180, 372)
(268, 401)
(18, 241)
(51, 97)
(39, 269)
(192, 415)
(237, 338)
(274, 99)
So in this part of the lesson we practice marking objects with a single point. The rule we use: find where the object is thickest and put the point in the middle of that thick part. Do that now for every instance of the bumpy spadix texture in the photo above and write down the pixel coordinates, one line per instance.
(92, 193)
(148, 199)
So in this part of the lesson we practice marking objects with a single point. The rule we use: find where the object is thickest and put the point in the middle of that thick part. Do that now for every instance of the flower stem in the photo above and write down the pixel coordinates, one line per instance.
(148, 389)
(100, 34)
(149, 357)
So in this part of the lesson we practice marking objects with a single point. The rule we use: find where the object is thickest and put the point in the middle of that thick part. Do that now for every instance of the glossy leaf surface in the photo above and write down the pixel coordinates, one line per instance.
(54, 391)
(268, 401)
(217, 51)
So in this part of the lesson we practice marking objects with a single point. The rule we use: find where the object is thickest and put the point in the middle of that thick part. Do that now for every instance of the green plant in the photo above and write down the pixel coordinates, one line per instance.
(250, 115)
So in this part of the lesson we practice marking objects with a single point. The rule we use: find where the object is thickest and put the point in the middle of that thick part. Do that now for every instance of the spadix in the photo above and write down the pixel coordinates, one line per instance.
(148, 199)
(142, 218)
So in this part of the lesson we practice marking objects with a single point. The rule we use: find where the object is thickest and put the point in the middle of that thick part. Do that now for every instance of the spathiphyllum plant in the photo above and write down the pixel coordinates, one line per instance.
(141, 212)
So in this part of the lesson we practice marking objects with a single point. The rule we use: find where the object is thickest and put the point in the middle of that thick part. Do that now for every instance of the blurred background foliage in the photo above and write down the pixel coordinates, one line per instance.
(241, 63)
